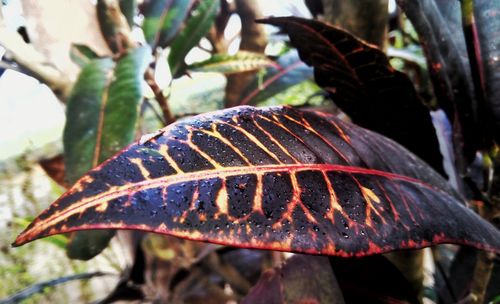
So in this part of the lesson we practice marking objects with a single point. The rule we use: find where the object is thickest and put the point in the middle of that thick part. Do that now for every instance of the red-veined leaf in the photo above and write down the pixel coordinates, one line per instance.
(363, 84)
(273, 178)
(438, 25)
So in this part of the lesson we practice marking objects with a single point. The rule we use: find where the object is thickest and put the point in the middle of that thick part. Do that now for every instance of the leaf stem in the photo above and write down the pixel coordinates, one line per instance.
(162, 100)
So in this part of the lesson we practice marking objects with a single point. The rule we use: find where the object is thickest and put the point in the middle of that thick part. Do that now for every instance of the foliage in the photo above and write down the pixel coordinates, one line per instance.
(280, 178)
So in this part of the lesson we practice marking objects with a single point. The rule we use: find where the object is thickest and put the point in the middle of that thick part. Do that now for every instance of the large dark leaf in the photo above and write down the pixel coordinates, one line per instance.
(302, 279)
(487, 16)
(438, 24)
(274, 178)
(101, 119)
(361, 81)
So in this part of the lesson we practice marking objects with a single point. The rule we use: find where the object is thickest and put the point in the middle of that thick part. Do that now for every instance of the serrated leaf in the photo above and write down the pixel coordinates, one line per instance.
(197, 26)
(272, 178)
(242, 61)
(101, 119)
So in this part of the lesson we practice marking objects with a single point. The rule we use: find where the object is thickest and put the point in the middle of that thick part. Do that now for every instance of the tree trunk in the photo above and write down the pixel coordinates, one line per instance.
(367, 19)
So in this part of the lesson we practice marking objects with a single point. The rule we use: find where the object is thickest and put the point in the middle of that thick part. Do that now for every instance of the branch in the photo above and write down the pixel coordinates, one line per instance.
(162, 100)
(33, 62)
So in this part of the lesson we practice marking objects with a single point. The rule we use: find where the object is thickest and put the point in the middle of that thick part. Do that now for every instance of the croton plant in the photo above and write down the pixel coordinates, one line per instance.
(297, 180)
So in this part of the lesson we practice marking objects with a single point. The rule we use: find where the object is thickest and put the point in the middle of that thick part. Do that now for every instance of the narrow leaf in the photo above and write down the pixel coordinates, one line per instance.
(153, 12)
(273, 178)
(242, 61)
(361, 81)
(163, 20)
(197, 26)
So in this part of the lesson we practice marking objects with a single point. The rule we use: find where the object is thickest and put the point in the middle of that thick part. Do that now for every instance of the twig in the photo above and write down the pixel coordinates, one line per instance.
(39, 287)
(162, 100)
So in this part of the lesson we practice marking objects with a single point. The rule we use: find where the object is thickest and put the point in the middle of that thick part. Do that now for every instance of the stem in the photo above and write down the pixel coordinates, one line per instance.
(485, 260)
(482, 275)
(162, 100)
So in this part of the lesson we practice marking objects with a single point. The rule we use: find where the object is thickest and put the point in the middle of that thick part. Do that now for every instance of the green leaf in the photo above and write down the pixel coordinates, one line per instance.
(163, 20)
(153, 12)
(101, 119)
(242, 61)
(82, 54)
(129, 10)
(173, 20)
(196, 28)
(83, 116)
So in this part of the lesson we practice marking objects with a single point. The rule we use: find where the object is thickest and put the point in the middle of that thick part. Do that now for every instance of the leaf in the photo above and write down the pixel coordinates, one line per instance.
(163, 20)
(101, 119)
(362, 83)
(82, 54)
(242, 61)
(197, 26)
(289, 72)
(438, 24)
(302, 279)
(153, 12)
(487, 19)
(129, 10)
(173, 21)
(273, 178)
